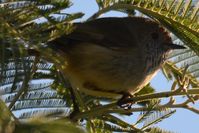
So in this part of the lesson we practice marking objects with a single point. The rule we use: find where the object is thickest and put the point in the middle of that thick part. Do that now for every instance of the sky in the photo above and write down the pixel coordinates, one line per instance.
(183, 121)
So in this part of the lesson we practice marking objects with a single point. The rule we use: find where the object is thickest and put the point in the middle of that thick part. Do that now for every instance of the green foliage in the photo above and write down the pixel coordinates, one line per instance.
(170, 70)
(156, 117)
(158, 130)
(19, 68)
(6, 122)
(146, 90)
(102, 126)
(181, 59)
(46, 126)
(21, 72)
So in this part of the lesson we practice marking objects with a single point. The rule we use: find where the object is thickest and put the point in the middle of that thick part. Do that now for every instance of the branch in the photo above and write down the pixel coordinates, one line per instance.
(161, 95)
(139, 109)
(116, 6)
(26, 80)
(112, 108)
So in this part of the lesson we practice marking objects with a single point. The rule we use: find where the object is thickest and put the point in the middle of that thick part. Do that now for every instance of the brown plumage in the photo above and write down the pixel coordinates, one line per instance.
(111, 56)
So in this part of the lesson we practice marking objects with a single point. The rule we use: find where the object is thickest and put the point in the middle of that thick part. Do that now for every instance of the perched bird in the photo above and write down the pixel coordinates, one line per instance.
(109, 57)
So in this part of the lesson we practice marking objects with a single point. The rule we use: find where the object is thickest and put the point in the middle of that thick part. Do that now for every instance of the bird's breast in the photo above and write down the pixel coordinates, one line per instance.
(100, 68)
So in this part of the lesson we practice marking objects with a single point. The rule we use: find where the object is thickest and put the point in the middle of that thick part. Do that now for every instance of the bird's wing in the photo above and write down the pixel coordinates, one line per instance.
(107, 32)
(112, 33)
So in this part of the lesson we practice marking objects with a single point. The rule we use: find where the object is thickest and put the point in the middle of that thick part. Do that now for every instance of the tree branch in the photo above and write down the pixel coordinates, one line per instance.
(113, 108)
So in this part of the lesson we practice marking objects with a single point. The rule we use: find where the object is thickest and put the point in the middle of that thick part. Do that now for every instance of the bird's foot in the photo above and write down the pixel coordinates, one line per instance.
(121, 103)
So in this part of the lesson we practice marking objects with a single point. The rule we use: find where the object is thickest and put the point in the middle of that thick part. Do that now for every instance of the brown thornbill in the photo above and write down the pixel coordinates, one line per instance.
(108, 57)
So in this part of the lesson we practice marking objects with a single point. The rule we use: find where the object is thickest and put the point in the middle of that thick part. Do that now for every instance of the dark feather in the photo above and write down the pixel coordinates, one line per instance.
(112, 33)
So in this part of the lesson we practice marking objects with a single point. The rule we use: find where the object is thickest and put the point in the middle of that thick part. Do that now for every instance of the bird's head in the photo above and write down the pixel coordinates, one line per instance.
(156, 42)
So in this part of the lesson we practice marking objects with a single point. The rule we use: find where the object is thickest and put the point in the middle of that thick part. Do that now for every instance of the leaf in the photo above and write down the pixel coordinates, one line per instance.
(182, 58)
(156, 117)
(21, 87)
(150, 109)
(158, 130)
(45, 126)
(102, 126)
(179, 72)
(6, 122)
(146, 90)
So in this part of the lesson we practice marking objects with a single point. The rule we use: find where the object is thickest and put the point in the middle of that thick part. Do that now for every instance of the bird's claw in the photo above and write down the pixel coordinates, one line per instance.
(121, 103)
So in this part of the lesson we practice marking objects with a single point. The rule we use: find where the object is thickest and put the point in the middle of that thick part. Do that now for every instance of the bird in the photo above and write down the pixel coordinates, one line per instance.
(110, 57)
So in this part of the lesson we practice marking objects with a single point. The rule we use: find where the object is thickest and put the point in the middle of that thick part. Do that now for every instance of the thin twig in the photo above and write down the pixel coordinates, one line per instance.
(27, 78)
(161, 95)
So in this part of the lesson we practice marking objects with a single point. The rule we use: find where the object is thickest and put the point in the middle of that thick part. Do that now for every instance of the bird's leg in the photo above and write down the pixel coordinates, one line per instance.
(121, 101)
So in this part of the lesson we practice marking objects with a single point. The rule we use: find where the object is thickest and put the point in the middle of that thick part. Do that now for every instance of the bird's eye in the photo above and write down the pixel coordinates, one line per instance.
(154, 35)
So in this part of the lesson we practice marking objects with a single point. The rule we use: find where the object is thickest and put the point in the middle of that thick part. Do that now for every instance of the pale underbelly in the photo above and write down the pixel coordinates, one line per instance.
(105, 86)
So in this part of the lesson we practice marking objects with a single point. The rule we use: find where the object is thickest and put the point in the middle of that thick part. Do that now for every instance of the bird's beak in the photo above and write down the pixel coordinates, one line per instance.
(172, 46)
